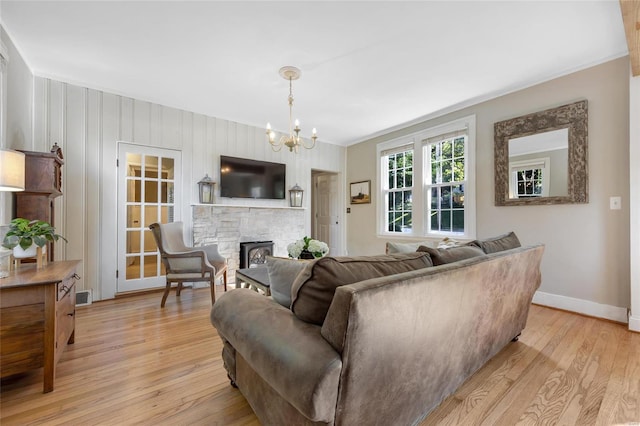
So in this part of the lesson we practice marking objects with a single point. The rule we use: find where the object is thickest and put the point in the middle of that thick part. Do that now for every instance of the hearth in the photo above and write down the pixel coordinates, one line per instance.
(254, 253)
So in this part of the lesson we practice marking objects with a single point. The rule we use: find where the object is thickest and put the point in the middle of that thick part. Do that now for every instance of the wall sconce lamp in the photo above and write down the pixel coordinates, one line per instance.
(295, 196)
(11, 170)
(205, 187)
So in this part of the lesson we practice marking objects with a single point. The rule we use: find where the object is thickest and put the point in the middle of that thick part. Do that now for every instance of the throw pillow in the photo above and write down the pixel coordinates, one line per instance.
(315, 286)
(282, 273)
(499, 243)
(442, 256)
(393, 248)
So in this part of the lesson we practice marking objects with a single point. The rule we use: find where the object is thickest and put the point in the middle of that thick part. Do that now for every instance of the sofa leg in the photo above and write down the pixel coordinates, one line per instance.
(515, 339)
(233, 384)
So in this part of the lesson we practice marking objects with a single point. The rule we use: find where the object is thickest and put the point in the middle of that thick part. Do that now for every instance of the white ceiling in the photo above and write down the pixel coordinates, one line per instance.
(366, 66)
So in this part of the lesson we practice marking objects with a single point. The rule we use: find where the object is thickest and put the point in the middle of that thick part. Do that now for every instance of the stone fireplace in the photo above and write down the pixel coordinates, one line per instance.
(228, 226)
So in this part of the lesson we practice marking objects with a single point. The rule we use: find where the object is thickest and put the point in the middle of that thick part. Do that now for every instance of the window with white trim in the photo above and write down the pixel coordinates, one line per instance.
(398, 188)
(428, 182)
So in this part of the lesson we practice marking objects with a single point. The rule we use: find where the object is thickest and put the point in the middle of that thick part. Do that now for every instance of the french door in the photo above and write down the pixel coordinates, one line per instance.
(148, 191)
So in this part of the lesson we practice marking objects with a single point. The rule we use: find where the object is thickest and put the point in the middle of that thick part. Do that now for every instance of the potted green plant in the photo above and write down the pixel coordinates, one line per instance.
(24, 236)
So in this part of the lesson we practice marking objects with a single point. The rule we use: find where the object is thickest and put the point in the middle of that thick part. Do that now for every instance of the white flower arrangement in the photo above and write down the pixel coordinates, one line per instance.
(315, 247)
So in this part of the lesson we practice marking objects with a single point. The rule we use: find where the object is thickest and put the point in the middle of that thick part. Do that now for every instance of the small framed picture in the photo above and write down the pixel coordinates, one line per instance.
(361, 192)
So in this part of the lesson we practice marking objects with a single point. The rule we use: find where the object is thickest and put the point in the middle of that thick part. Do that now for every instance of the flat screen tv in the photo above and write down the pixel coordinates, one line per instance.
(244, 178)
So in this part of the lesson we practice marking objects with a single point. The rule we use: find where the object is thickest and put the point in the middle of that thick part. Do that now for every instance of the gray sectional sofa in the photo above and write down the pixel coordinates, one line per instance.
(377, 347)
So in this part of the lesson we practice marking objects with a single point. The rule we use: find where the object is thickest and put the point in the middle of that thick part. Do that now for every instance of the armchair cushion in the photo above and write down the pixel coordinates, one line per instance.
(314, 287)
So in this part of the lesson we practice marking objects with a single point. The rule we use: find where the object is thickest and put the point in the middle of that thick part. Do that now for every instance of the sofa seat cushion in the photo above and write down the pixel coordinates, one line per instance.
(314, 287)
(289, 354)
(282, 274)
(442, 256)
(500, 243)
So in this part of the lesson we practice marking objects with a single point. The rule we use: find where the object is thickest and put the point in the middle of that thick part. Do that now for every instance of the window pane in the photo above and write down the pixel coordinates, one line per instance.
(445, 222)
(435, 197)
(392, 162)
(390, 201)
(133, 267)
(445, 202)
(149, 242)
(458, 221)
(390, 225)
(133, 191)
(435, 217)
(151, 266)
(458, 196)
(407, 200)
(400, 179)
(151, 191)
(447, 150)
(167, 168)
(409, 158)
(458, 150)
(134, 163)
(133, 216)
(150, 215)
(400, 160)
(434, 152)
(397, 205)
(408, 178)
(434, 172)
(392, 180)
(133, 241)
(458, 169)
(407, 225)
(166, 192)
(447, 171)
(151, 166)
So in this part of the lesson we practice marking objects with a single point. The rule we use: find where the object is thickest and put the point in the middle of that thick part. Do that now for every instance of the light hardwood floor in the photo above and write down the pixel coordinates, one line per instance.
(134, 363)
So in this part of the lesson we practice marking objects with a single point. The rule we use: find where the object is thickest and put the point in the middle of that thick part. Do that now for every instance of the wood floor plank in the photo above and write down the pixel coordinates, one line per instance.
(135, 363)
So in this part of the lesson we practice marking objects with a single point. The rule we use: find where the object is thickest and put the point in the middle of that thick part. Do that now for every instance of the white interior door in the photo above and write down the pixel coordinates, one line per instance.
(326, 218)
(149, 182)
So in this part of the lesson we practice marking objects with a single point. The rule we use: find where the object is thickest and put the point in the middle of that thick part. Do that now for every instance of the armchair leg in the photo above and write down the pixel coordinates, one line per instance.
(224, 278)
(178, 289)
(212, 285)
(166, 293)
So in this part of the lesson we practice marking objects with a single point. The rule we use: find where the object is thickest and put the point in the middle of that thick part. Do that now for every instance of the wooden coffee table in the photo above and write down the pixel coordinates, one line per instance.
(255, 278)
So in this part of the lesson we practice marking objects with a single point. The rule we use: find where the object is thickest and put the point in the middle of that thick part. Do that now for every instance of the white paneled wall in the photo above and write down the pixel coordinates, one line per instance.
(87, 124)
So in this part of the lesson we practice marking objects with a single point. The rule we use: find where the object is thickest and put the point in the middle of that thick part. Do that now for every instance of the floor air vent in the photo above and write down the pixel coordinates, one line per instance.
(83, 297)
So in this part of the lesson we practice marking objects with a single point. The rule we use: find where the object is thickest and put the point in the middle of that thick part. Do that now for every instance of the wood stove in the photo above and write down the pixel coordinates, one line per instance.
(254, 253)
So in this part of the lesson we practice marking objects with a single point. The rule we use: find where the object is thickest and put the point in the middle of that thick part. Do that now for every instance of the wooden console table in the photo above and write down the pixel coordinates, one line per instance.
(37, 317)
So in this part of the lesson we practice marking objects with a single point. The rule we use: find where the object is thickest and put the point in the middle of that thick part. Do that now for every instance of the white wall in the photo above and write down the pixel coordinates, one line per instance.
(87, 124)
(586, 260)
(634, 201)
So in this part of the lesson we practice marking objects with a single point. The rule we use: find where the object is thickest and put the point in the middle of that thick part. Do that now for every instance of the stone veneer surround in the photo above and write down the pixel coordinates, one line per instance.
(227, 226)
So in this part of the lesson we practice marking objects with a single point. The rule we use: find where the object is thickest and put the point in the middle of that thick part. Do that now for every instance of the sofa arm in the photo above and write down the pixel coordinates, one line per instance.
(289, 354)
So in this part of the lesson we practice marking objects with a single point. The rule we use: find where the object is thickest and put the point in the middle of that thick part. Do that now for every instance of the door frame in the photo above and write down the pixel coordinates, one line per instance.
(340, 191)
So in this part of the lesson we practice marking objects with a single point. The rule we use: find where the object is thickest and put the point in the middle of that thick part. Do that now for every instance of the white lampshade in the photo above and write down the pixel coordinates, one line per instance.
(11, 170)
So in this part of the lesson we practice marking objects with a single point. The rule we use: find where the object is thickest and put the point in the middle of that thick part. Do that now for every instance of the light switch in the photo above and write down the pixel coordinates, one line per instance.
(615, 203)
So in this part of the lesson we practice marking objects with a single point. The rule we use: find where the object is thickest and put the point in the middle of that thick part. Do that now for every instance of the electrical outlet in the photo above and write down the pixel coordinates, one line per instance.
(615, 203)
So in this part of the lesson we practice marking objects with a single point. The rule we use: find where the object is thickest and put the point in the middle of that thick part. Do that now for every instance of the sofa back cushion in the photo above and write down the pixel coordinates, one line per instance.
(443, 256)
(499, 243)
(314, 287)
(394, 247)
(282, 273)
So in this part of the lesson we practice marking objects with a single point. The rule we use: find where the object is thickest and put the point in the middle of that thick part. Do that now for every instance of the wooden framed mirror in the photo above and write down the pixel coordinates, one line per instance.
(541, 158)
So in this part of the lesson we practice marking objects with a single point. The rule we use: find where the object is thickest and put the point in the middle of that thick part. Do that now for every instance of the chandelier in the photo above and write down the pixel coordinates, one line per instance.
(292, 141)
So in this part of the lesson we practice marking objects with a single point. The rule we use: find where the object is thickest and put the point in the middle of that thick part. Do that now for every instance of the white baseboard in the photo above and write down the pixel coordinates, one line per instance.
(634, 323)
(581, 306)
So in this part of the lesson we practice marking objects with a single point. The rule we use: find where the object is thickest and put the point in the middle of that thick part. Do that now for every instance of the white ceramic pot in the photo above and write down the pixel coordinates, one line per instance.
(20, 253)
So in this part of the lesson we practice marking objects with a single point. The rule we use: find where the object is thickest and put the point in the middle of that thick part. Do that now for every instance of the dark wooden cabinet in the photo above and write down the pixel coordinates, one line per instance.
(43, 183)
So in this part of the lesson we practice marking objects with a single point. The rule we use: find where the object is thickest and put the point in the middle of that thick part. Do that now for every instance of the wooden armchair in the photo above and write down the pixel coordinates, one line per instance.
(187, 264)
